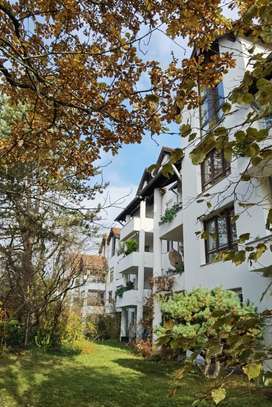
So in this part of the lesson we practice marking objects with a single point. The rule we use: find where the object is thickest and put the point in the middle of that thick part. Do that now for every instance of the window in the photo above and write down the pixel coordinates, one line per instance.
(95, 298)
(214, 167)
(113, 246)
(221, 230)
(170, 245)
(211, 111)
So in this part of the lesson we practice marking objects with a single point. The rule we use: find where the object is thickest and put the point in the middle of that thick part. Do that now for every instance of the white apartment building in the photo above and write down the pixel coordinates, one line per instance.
(167, 213)
(88, 296)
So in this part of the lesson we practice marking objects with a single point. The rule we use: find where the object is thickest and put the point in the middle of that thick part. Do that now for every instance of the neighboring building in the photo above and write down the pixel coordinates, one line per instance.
(89, 295)
(159, 239)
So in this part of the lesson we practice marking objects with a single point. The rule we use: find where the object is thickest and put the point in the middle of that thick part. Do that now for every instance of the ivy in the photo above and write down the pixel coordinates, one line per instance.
(170, 213)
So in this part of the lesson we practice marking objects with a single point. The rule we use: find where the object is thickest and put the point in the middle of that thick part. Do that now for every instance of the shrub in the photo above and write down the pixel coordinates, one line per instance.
(222, 334)
(11, 333)
(103, 327)
(144, 348)
(213, 323)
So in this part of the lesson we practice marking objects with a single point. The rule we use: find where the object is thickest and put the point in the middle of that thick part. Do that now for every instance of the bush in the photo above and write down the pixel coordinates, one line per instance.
(103, 327)
(213, 323)
(11, 333)
(144, 348)
(74, 330)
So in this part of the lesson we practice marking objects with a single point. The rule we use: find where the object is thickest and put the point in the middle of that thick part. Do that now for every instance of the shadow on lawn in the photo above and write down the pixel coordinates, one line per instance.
(52, 381)
(149, 367)
(56, 384)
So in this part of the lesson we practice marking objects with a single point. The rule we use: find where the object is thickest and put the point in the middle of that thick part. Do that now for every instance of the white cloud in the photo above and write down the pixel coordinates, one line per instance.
(113, 200)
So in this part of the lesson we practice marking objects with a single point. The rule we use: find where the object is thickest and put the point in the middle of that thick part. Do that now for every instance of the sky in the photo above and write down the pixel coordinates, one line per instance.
(124, 170)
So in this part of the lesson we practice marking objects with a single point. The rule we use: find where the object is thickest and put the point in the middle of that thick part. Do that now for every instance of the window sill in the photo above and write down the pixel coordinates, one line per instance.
(216, 181)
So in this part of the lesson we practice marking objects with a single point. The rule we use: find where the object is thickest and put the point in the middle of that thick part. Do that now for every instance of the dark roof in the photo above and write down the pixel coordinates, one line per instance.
(155, 180)
(147, 176)
(128, 209)
(160, 181)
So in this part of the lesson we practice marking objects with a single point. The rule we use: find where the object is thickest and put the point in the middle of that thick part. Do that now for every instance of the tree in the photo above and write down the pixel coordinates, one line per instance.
(40, 227)
(77, 66)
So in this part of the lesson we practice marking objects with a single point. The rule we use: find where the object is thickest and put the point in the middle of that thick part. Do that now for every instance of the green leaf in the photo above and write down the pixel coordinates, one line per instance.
(246, 99)
(253, 150)
(218, 395)
(185, 129)
(152, 168)
(263, 84)
(228, 153)
(252, 370)
(244, 237)
(268, 379)
(167, 170)
(176, 155)
(226, 107)
(192, 137)
(261, 249)
(239, 257)
(198, 156)
(152, 98)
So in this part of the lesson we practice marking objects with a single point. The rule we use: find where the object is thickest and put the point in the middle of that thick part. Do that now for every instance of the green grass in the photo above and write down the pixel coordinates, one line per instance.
(109, 376)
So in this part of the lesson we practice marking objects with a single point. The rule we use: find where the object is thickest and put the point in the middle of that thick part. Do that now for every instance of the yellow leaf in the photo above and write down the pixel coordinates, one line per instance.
(218, 395)
(252, 370)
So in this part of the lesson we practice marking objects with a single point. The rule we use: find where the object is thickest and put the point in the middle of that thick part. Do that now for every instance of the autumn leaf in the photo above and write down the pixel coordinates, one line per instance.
(252, 370)
(218, 395)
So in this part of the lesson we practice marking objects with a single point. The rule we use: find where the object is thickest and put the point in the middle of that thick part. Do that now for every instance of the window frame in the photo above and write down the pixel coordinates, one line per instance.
(211, 107)
(226, 169)
(226, 213)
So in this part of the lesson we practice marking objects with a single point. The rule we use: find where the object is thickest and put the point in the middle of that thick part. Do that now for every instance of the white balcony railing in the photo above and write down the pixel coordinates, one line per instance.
(167, 227)
(134, 260)
(132, 298)
(134, 225)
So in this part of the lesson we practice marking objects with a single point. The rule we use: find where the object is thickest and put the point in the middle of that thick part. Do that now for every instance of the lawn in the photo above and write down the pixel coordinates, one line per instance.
(108, 376)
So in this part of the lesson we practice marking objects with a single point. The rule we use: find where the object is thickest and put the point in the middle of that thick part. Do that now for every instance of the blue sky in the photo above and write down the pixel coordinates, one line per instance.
(124, 170)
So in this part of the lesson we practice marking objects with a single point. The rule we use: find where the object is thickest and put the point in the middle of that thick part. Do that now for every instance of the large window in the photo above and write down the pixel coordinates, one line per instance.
(211, 112)
(214, 167)
(221, 233)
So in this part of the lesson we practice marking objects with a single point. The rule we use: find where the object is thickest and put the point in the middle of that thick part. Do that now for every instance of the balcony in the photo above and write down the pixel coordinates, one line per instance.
(132, 261)
(171, 229)
(134, 225)
(131, 298)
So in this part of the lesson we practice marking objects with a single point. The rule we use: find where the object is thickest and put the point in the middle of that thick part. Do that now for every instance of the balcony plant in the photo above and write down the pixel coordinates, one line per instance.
(123, 288)
(179, 269)
(170, 213)
(129, 246)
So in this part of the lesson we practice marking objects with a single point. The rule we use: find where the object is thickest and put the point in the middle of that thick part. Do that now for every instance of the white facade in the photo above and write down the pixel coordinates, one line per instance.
(88, 296)
(187, 194)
